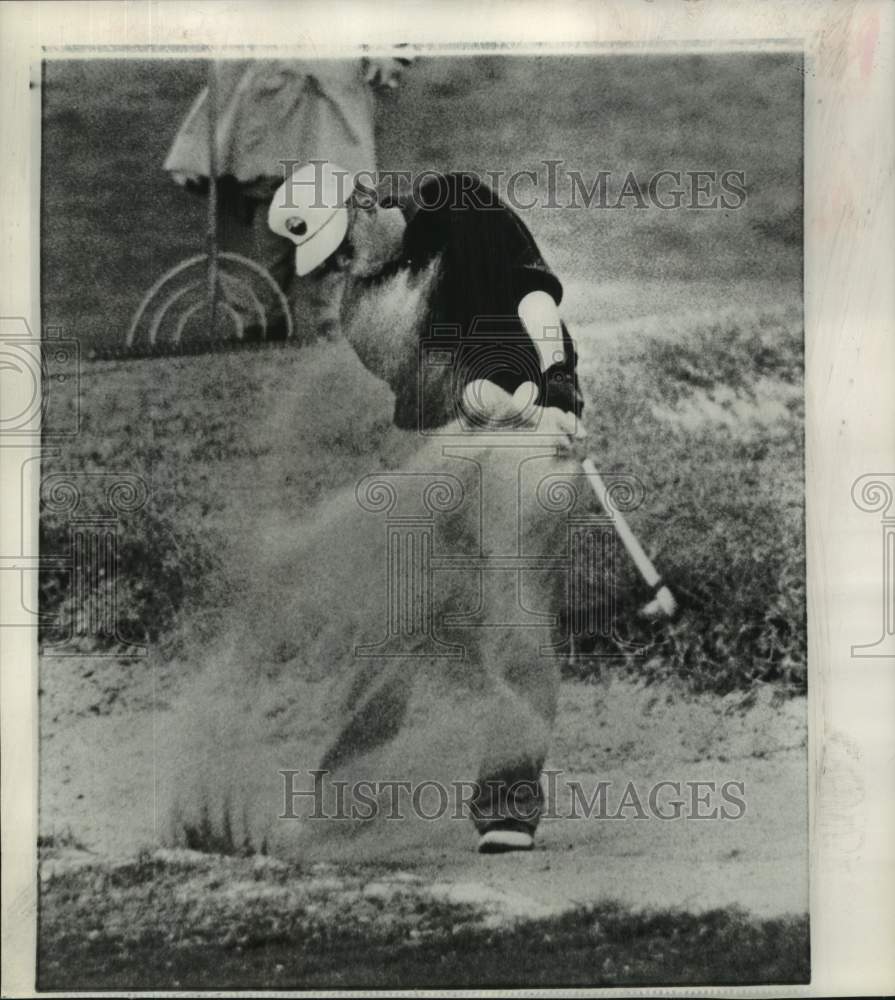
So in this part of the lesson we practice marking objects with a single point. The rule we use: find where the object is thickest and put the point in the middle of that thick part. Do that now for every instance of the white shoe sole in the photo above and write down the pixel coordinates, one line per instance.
(501, 841)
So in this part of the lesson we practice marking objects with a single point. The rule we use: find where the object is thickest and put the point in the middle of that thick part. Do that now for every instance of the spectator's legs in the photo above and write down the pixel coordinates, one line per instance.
(242, 229)
(314, 298)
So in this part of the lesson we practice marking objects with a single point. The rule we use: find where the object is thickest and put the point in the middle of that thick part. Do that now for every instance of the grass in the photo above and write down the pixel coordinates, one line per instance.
(232, 923)
(708, 415)
(710, 418)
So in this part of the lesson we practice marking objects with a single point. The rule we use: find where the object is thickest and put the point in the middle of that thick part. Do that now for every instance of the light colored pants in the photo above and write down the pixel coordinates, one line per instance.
(313, 676)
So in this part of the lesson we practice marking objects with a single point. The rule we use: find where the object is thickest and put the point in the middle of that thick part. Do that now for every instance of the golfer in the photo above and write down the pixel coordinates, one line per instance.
(468, 275)
(466, 271)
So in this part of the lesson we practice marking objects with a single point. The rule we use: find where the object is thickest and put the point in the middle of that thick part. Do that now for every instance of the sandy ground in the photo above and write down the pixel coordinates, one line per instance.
(98, 790)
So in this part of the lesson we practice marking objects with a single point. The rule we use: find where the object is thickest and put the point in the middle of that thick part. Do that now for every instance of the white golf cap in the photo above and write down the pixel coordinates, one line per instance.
(309, 209)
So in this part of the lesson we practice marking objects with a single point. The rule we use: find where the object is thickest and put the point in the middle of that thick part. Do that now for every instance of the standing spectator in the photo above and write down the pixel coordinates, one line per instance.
(271, 112)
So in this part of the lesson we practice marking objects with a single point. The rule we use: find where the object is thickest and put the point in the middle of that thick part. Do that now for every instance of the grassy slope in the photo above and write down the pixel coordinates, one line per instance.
(706, 415)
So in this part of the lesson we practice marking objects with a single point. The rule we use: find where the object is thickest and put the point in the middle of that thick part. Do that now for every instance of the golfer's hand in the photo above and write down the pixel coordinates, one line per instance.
(486, 404)
(549, 421)
(565, 427)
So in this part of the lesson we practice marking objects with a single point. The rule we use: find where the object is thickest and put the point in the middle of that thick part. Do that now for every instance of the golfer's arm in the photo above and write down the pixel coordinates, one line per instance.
(540, 317)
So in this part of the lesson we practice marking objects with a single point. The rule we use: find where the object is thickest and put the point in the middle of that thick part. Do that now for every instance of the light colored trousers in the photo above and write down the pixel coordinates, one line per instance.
(334, 661)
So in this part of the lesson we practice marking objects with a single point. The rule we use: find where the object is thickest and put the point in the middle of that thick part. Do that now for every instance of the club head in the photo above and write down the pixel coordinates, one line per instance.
(662, 604)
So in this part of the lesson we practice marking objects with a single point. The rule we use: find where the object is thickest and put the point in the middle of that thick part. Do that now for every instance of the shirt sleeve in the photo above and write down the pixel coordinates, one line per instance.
(531, 273)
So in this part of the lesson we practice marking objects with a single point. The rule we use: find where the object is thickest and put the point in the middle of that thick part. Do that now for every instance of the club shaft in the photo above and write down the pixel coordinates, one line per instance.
(641, 560)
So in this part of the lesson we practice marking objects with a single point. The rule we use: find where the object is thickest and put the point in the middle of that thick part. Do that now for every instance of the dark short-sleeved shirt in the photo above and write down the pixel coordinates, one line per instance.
(488, 262)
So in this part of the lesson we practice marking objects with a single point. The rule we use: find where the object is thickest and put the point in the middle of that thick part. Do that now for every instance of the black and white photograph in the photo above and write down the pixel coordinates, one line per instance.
(421, 595)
